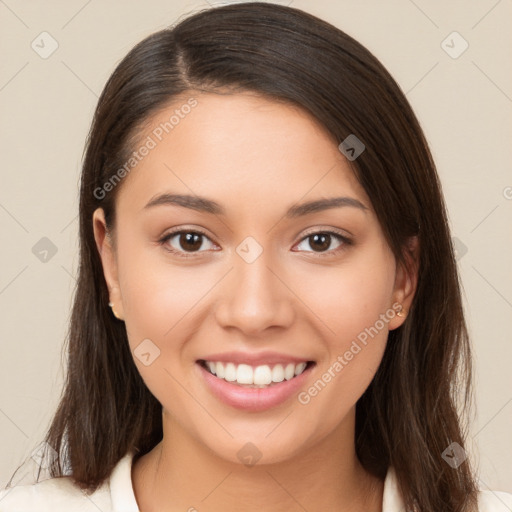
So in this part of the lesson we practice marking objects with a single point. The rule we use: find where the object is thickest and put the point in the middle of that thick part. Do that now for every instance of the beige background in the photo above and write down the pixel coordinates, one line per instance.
(464, 105)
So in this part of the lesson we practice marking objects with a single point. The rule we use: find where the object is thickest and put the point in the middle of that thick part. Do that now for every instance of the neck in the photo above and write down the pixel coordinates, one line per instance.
(181, 474)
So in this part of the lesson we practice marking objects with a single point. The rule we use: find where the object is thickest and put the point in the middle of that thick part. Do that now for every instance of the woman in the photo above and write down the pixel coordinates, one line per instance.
(268, 315)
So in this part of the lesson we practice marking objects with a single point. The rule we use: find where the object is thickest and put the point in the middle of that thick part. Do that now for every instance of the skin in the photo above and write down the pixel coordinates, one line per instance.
(256, 158)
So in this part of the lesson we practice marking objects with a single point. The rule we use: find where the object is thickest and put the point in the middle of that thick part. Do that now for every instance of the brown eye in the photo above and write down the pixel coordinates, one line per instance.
(321, 242)
(183, 242)
(190, 241)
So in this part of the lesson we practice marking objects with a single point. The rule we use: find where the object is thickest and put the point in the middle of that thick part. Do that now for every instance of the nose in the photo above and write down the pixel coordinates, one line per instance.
(255, 296)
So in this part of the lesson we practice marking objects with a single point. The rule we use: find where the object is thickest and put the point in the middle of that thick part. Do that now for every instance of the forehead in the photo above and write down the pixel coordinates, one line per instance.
(246, 151)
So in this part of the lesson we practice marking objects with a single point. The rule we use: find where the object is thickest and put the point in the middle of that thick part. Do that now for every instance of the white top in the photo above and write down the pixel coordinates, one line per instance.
(116, 495)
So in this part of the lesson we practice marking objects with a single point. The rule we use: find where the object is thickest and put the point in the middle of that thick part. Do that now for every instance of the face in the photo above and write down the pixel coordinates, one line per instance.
(252, 281)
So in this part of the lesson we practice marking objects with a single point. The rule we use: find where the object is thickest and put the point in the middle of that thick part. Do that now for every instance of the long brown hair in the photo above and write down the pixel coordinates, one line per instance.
(410, 412)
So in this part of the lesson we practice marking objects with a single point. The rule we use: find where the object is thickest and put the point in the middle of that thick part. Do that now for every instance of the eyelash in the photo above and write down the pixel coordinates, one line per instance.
(345, 242)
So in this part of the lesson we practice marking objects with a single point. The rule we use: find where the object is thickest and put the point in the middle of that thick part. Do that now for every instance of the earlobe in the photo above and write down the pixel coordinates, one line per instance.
(108, 260)
(406, 281)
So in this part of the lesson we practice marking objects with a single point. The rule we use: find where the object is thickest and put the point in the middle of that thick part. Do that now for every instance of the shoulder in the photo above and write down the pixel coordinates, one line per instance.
(494, 501)
(55, 495)
(61, 494)
(488, 500)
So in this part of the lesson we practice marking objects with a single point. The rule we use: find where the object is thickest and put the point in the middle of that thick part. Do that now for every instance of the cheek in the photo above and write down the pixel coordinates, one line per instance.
(350, 297)
(157, 301)
(163, 306)
(156, 293)
(353, 304)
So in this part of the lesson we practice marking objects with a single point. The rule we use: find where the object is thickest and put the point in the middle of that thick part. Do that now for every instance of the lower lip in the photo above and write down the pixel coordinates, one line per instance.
(253, 399)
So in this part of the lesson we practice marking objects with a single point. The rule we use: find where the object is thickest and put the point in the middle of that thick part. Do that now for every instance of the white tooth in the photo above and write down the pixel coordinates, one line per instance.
(244, 374)
(262, 375)
(289, 371)
(211, 366)
(300, 368)
(219, 370)
(230, 375)
(278, 373)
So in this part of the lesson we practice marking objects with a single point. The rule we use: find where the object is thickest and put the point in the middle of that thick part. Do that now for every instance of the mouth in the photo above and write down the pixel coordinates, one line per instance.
(255, 388)
(260, 376)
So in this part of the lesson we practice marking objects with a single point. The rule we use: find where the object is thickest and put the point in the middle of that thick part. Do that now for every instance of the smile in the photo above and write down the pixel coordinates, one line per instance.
(243, 391)
(260, 376)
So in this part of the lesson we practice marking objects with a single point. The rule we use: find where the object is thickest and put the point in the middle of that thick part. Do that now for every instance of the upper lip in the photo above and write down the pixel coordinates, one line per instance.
(254, 359)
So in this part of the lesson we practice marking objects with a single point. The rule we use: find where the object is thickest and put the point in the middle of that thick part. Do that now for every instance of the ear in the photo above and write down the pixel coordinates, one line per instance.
(108, 259)
(406, 281)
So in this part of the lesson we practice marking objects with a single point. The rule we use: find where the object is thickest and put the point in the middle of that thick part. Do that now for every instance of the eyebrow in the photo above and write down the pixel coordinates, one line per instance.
(203, 204)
